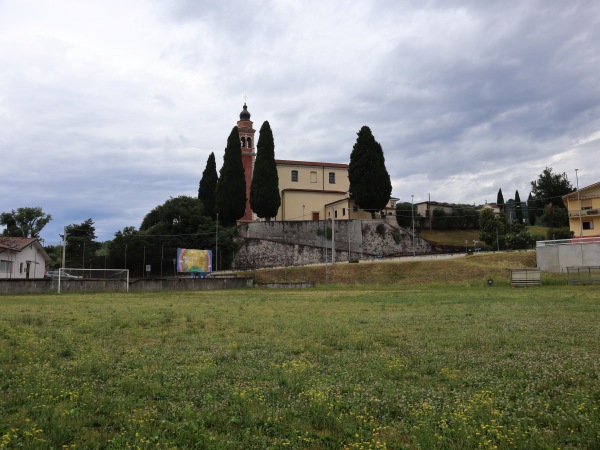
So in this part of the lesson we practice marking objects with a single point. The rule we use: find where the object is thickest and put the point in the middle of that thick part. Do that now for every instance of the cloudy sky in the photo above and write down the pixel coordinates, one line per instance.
(108, 108)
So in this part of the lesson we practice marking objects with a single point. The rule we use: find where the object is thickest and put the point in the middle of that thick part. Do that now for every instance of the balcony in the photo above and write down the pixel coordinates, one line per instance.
(584, 212)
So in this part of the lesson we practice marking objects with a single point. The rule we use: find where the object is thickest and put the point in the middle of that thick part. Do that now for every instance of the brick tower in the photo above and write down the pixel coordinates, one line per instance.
(247, 142)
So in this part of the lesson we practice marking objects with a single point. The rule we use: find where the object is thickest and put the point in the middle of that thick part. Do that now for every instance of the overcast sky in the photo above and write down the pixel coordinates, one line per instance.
(108, 108)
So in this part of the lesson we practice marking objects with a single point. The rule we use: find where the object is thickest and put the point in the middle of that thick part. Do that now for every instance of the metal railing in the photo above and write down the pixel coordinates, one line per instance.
(583, 240)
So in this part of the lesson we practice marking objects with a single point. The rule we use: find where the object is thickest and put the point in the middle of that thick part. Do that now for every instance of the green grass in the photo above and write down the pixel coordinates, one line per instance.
(361, 367)
(450, 237)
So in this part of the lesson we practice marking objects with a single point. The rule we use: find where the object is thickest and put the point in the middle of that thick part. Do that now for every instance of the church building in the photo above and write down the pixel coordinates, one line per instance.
(308, 190)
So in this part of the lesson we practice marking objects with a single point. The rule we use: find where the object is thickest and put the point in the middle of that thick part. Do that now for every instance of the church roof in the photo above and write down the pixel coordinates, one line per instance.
(245, 115)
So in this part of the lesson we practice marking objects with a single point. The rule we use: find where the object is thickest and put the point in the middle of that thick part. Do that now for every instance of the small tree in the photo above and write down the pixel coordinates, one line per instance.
(24, 222)
(439, 219)
(208, 186)
(500, 199)
(264, 190)
(81, 244)
(492, 227)
(231, 187)
(518, 208)
(370, 184)
(405, 212)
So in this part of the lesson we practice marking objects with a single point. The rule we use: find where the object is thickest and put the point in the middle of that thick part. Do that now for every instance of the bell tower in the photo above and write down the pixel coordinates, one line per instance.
(247, 143)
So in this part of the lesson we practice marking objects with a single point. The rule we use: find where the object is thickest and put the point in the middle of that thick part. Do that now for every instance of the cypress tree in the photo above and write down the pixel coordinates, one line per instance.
(518, 207)
(370, 185)
(500, 200)
(208, 186)
(231, 188)
(264, 190)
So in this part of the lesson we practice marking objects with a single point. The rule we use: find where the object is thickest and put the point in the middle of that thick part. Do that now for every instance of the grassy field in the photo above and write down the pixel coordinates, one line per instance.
(355, 367)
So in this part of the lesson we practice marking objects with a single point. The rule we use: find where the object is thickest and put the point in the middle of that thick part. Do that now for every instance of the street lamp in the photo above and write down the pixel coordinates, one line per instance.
(412, 213)
(579, 205)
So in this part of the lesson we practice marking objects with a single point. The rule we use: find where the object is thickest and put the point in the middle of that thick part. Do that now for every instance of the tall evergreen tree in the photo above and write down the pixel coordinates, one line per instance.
(500, 200)
(370, 185)
(230, 201)
(518, 207)
(550, 187)
(264, 190)
(531, 209)
(208, 186)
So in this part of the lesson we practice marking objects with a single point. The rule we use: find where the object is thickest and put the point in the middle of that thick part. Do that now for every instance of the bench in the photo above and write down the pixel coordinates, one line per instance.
(525, 277)
(583, 274)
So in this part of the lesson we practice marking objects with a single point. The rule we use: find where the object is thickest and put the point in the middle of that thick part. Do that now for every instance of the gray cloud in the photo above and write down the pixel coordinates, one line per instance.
(106, 118)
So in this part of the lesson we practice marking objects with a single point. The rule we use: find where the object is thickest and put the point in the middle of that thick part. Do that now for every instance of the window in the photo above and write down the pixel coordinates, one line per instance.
(588, 225)
(249, 141)
(5, 266)
(294, 175)
(331, 177)
(586, 204)
(335, 213)
(20, 267)
(313, 177)
(243, 142)
(343, 212)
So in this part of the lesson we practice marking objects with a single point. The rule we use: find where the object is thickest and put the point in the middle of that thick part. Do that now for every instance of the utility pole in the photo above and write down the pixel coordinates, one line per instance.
(332, 237)
(217, 243)
(64, 247)
(412, 213)
(579, 205)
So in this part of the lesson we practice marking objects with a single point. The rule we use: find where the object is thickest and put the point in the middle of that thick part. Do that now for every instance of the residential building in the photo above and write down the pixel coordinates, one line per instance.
(584, 211)
(22, 258)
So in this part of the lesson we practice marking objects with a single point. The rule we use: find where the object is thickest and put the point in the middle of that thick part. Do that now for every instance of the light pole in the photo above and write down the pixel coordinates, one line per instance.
(217, 243)
(579, 205)
(412, 213)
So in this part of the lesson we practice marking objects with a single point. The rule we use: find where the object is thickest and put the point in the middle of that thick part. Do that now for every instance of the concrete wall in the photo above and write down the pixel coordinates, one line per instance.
(556, 258)
(13, 287)
(294, 243)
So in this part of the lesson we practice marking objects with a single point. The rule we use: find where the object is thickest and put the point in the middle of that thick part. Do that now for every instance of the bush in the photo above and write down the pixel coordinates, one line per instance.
(559, 233)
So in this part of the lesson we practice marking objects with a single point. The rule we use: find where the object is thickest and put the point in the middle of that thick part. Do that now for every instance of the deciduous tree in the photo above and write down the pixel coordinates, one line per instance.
(405, 213)
(81, 244)
(24, 222)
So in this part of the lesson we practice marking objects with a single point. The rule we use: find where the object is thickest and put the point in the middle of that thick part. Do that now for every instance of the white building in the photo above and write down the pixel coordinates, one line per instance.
(22, 258)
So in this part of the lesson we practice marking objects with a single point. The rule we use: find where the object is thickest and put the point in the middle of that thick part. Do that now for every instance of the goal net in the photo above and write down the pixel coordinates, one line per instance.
(74, 274)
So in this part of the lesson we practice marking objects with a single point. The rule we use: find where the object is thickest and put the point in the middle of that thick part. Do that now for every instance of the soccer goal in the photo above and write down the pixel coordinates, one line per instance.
(89, 275)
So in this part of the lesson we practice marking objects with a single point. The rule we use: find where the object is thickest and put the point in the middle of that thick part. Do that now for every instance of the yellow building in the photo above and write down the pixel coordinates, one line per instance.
(584, 211)
(306, 187)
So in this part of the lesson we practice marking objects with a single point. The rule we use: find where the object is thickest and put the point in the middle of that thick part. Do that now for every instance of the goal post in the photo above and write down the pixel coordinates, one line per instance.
(68, 274)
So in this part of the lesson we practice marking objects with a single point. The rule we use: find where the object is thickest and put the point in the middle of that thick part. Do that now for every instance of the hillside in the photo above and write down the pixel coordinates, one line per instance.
(472, 270)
